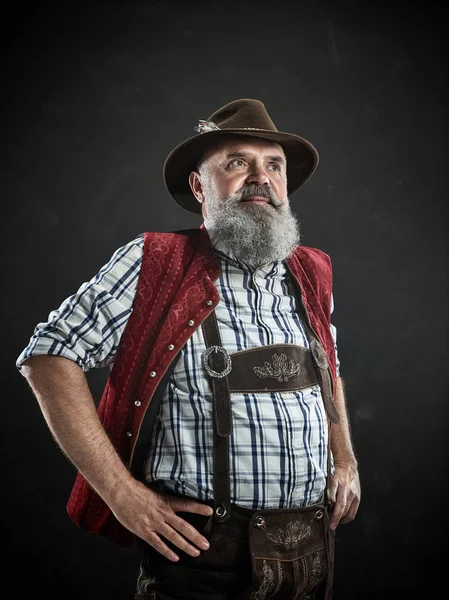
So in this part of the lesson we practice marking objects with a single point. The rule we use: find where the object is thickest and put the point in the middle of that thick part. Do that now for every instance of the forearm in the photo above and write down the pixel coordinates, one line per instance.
(341, 444)
(66, 402)
(63, 394)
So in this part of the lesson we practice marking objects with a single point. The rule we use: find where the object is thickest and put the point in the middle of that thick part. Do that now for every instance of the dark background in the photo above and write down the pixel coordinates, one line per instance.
(94, 97)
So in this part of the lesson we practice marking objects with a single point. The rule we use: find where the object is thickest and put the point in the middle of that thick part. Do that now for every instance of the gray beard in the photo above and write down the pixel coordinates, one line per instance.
(255, 234)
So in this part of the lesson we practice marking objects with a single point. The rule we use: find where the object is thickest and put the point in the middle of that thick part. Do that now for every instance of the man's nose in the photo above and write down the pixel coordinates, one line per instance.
(258, 175)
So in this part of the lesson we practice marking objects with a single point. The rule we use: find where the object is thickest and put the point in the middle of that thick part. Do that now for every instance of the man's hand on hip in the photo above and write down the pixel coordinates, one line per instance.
(152, 516)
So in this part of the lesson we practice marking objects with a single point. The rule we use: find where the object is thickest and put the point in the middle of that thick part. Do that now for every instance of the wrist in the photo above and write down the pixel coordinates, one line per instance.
(346, 462)
(117, 487)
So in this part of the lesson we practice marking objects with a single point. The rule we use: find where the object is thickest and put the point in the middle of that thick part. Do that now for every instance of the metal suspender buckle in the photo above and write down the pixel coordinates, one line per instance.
(228, 363)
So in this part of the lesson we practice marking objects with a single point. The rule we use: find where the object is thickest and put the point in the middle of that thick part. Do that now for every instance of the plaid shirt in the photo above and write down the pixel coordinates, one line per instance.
(278, 449)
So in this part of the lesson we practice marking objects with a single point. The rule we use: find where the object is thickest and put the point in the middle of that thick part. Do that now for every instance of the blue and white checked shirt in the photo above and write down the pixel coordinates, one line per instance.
(278, 449)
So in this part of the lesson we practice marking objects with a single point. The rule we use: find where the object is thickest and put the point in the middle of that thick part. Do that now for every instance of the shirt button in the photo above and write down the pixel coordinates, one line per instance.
(153, 374)
(209, 303)
(191, 322)
(171, 347)
(129, 433)
(137, 402)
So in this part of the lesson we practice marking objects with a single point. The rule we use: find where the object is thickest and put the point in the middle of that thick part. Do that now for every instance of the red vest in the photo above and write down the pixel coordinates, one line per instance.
(175, 293)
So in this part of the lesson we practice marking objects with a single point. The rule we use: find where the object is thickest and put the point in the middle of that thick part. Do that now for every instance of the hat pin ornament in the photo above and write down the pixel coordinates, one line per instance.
(205, 126)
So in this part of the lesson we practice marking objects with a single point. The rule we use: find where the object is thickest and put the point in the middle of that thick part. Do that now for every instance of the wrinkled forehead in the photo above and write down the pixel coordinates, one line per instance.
(243, 144)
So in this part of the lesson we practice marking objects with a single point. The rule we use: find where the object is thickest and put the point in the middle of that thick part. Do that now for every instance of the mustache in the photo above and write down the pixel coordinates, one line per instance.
(258, 190)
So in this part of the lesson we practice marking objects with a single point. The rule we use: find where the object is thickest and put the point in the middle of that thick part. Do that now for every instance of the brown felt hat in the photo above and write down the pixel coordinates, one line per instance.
(246, 117)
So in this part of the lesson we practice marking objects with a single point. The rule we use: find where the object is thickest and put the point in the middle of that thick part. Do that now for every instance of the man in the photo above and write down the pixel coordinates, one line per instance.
(210, 448)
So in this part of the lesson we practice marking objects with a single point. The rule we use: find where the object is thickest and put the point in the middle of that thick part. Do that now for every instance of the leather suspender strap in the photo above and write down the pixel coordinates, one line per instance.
(219, 365)
(313, 366)
(327, 393)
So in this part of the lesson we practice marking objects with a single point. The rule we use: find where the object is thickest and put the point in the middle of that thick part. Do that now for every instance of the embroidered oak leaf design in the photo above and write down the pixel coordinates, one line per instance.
(280, 369)
(294, 533)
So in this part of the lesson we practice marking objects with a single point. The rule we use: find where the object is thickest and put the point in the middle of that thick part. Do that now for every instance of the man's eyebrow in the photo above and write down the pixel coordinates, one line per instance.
(273, 157)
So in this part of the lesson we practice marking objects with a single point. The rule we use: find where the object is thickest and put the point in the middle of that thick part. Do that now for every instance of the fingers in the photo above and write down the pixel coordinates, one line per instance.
(155, 541)
(186, 505)
(178, 531)
(346, 504)
(338, 509)
(189, 532)
(352, 511)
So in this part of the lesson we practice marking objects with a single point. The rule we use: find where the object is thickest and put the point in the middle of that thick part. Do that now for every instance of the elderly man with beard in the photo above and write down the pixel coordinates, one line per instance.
(221, 445)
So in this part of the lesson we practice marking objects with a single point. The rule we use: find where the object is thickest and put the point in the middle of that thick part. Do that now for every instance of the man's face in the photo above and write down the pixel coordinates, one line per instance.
(242, 187)
(254, 167)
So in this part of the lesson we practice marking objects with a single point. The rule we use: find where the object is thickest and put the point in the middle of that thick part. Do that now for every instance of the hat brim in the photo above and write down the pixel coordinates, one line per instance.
(302, 160)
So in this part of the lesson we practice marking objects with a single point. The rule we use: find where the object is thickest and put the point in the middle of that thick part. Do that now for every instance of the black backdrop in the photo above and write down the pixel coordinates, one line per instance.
(94, 97)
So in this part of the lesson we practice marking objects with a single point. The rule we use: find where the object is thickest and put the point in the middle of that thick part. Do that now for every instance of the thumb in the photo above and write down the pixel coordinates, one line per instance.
(332, 490)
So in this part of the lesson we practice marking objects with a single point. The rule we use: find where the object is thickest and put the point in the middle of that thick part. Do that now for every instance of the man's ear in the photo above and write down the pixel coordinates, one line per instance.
(196, 185)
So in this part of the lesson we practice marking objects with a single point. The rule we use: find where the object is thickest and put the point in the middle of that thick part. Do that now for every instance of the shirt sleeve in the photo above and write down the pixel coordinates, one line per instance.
(88, 326)
(334, 335)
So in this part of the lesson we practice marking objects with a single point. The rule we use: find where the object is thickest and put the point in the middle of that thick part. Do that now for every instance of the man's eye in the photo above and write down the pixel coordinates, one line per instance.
(236, 161)
(275, 167)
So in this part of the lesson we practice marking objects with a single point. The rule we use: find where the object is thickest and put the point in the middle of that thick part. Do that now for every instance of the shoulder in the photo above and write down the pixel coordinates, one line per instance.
(153, 240)
(133, 246)
(127, 253)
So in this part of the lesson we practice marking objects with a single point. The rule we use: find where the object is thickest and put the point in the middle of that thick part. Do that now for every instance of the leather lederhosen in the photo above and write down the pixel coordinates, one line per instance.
(292, 550)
